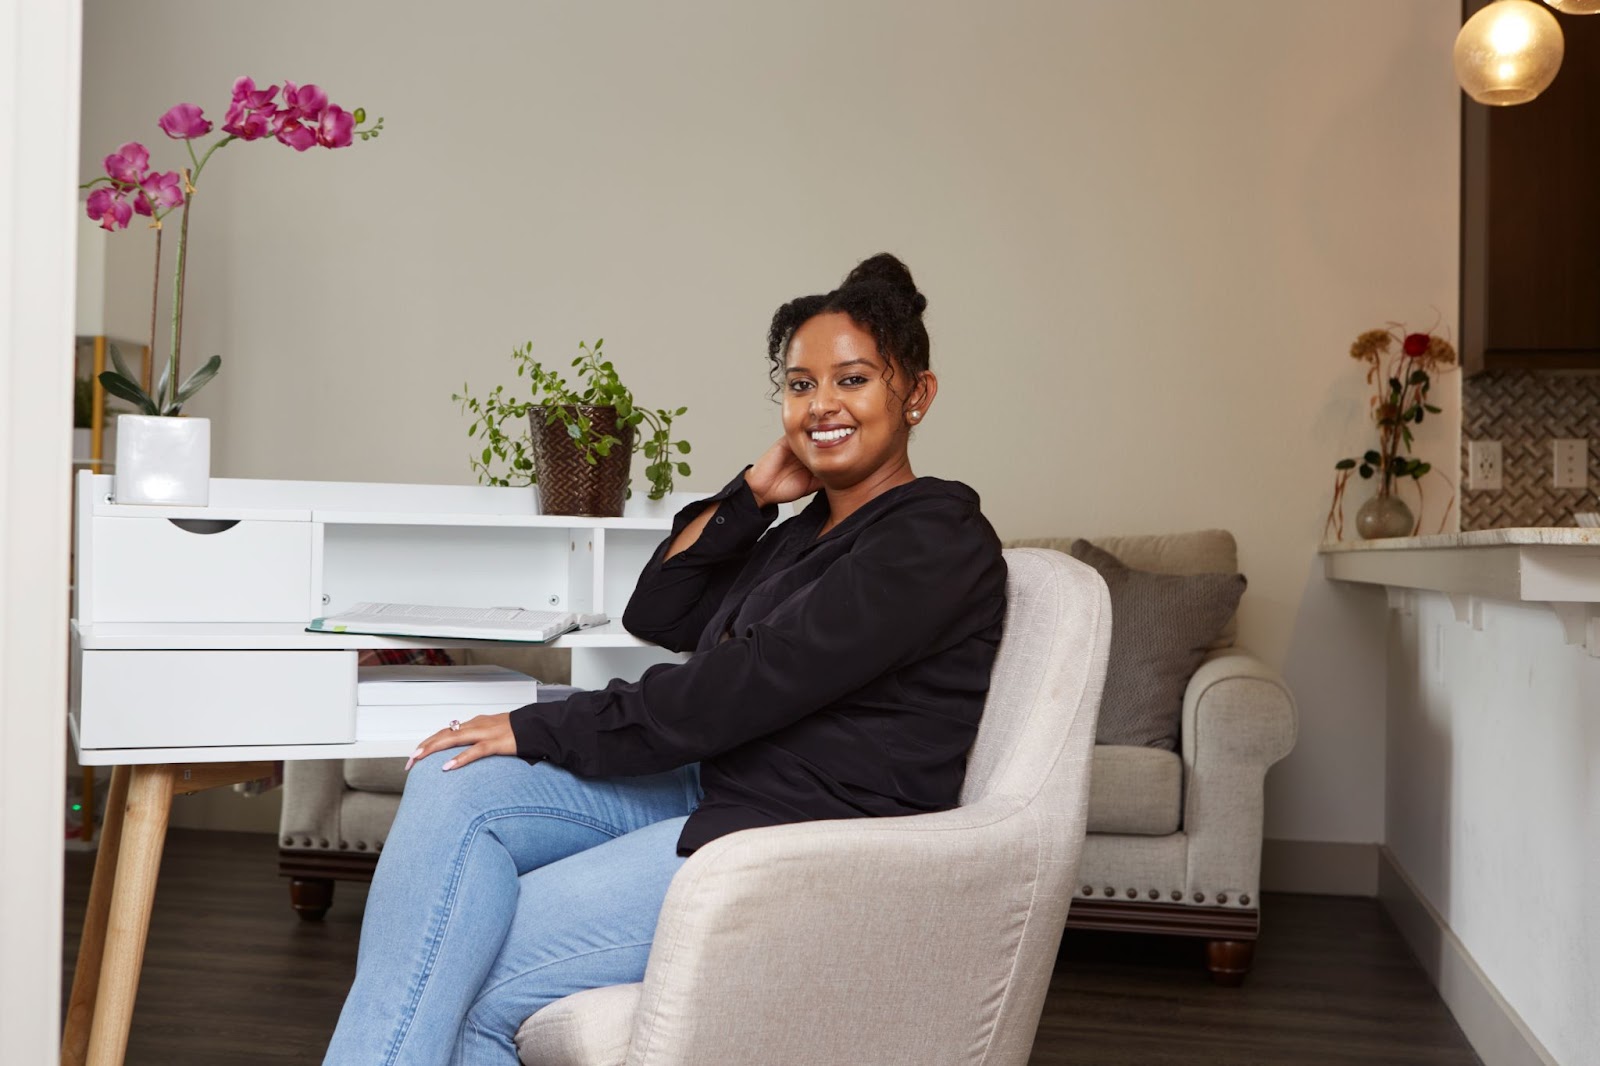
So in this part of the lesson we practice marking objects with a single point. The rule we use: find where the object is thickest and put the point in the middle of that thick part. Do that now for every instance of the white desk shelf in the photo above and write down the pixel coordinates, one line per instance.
(246, 575)
(520, 521)
(245, 636)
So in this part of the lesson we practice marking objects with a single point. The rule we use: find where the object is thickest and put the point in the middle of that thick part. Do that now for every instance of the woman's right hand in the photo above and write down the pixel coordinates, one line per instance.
(780, 477)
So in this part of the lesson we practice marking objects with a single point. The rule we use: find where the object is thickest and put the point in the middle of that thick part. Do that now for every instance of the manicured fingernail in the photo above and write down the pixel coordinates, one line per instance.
(451, 765)
(413, 758)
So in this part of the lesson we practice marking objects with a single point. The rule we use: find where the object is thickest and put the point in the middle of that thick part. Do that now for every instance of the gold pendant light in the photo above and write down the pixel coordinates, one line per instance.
(1575, 7)
(1508, 53)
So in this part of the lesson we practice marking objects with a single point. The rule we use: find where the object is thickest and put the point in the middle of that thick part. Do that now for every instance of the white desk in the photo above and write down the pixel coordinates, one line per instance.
(191, 666)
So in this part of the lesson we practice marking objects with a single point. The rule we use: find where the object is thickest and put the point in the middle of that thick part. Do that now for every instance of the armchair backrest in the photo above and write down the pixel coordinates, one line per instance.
(1035, 744)
(1037, 732)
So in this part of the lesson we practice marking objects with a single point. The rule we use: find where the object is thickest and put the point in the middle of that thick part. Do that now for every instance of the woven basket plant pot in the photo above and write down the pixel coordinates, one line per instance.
(567, 483)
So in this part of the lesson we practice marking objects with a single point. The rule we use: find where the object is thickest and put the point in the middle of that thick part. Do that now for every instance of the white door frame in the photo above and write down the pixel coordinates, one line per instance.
(40, 47)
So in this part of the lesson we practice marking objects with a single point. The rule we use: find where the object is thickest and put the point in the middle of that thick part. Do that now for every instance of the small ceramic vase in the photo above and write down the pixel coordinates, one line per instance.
(163, 460)
(1385, 515)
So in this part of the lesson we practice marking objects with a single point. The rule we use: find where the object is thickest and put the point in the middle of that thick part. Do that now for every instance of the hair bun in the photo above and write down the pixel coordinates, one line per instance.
(886, 270)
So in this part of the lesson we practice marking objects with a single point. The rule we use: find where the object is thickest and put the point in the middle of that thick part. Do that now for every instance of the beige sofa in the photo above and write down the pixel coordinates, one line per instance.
(1174, 841)
(1175, 837)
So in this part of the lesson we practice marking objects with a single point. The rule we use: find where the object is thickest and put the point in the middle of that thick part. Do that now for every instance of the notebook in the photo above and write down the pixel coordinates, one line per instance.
(466, 623)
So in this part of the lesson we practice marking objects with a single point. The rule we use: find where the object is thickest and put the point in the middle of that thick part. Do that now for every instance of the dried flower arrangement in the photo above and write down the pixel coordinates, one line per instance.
(1399, 401)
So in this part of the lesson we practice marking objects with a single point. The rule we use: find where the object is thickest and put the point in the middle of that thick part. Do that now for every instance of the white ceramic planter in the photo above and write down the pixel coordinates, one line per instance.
(163, 460)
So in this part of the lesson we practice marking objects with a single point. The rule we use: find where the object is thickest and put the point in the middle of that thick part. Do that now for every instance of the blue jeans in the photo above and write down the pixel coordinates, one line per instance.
(502, 887)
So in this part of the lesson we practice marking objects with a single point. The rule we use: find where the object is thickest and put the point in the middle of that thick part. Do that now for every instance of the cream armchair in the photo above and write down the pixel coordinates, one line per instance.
(1174, 841)
(921, 940)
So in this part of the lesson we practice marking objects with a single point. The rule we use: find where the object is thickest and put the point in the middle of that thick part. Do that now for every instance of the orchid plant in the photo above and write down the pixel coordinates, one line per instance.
(302, 120)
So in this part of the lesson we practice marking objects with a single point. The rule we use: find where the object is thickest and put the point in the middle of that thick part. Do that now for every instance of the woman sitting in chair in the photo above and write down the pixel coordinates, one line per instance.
(839, 671)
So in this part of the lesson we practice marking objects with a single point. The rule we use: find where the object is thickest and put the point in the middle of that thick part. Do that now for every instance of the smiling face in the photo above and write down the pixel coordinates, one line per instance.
(841, 416)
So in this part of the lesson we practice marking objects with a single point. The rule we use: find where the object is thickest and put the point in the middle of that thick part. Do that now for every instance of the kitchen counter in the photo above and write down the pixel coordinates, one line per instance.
(1555, 566)
(1477, 538)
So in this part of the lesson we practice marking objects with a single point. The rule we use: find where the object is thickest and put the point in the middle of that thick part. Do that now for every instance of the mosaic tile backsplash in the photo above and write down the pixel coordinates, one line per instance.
(1526, 411)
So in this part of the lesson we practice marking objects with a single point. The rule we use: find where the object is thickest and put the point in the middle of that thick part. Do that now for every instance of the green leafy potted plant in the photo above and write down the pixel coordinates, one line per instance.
(579, 444)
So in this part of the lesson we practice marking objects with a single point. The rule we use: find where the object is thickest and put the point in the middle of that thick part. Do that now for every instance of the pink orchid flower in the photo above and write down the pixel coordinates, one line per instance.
(185, 121)
(335, 129)
(306, 101)
(108, 209)
(164, 190)
(128, 163)
(251, 115)
(246, 93)
(246, 124)
(295, 135)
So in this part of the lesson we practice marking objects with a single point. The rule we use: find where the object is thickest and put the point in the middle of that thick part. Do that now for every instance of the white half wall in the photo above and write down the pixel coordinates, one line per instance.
(1494, 805)
(1148, 234)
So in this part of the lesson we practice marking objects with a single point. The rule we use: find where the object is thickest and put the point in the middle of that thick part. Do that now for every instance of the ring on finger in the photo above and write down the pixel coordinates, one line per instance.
(455, 725)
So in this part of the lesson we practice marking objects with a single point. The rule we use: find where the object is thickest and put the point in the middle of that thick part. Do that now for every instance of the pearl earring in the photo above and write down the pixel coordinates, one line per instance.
(916, 414)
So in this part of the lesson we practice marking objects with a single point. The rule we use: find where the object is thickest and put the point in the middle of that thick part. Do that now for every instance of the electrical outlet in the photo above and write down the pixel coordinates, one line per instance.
(1483, 465)
(1571, 464)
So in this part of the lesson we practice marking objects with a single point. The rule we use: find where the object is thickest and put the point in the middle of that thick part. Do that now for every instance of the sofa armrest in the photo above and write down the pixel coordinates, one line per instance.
(883, 940)
(313, 793)
(1238, 719)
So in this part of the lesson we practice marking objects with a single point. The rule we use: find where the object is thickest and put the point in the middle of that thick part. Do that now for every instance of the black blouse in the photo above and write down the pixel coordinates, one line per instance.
(839, 676)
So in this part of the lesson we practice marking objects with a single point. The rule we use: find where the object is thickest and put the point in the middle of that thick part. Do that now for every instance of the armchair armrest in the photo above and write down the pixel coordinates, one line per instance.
(915, 925)
(1238, 719)
(313, 791)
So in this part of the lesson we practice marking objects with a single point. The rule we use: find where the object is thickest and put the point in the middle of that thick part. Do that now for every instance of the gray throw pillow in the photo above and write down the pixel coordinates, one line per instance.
(1161, 627)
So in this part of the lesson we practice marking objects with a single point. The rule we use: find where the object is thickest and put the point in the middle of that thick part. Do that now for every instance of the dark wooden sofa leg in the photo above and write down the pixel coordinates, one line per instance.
(1229, 960)
(311, 897)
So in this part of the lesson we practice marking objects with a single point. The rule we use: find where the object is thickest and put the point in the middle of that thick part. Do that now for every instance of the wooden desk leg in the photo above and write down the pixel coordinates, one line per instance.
(91, 945)
(144, 831)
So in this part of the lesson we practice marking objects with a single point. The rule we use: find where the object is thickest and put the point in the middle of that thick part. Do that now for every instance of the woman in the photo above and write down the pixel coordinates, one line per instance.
(839, 670)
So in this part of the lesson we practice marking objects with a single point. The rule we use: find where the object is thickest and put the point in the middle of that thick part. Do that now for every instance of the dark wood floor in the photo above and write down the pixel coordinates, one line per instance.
(232, 976)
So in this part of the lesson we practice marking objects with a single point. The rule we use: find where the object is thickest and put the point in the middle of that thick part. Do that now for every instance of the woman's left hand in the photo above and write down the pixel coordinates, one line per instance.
(487, 734)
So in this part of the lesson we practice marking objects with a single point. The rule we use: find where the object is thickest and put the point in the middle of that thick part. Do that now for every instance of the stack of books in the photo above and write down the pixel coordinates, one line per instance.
(416, 701)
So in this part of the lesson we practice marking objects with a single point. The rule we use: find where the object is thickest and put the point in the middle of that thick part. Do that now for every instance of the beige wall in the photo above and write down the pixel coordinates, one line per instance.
(1148, 233)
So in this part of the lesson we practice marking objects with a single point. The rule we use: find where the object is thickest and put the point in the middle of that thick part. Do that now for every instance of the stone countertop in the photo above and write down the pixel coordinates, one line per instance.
(1558, 566)
(1477, 538)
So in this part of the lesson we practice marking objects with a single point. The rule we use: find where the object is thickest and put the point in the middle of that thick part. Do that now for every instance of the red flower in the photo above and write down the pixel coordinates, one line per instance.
(1416, 343)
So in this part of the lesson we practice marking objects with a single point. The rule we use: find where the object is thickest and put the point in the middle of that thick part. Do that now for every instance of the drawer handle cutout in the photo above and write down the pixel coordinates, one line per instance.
(204, 525)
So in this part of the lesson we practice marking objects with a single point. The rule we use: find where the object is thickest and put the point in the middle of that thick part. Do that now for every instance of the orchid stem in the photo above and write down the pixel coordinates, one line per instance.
(198, 167)
(177, 292)
(155, 302)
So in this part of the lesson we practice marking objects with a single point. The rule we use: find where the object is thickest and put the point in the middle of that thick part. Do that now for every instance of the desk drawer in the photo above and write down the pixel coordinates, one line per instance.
(168, 699)
(156, 570)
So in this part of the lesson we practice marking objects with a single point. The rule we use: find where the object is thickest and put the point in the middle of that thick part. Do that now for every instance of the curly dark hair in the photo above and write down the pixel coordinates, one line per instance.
(880, 297)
